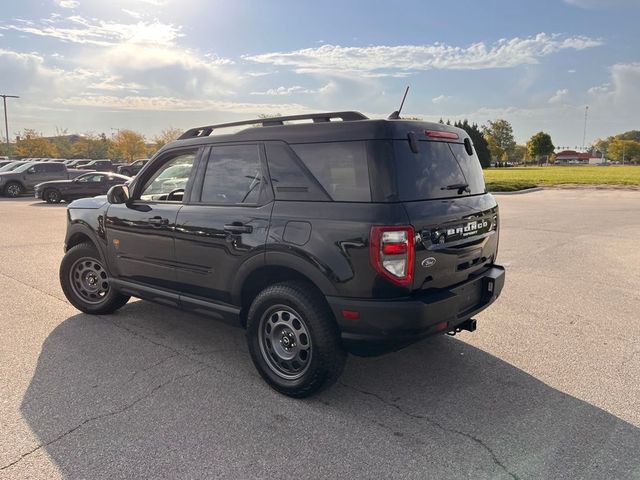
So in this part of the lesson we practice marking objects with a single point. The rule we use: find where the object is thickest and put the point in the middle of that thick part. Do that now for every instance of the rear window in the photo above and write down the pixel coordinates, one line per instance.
(340, 167)
(438, 165)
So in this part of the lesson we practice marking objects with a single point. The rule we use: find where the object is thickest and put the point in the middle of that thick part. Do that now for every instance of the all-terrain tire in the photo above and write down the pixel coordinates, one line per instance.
(85, 281)
(294, 313)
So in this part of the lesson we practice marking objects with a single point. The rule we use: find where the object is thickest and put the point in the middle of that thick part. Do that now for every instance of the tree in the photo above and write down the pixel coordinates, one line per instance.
(128, 145)
(92, 146)
(62, 143)
(520, 154)
(540, 145)
(33, 144)
(629, 150)
(499, 136)
(479, 142)
(167, 135)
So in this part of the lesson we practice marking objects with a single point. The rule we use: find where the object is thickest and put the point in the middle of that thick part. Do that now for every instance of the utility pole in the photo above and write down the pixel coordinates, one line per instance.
(6, 123)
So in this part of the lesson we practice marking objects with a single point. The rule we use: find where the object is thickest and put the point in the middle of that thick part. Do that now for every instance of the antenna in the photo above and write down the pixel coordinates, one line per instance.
(396, 115)
(584, 131)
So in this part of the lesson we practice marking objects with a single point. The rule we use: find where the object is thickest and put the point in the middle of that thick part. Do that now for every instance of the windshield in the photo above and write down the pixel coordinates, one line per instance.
(438, 170)
(23, 167)
(10, 166)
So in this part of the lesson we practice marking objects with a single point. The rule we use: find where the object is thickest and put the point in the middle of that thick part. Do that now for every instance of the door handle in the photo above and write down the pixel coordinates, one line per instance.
(158, 221)
(237, 227)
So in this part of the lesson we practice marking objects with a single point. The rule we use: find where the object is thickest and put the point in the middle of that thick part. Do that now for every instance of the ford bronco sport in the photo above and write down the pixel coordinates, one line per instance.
(339, 234)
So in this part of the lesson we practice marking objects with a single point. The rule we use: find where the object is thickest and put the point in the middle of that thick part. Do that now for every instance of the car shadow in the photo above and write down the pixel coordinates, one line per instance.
(51, 205)
(152, 392)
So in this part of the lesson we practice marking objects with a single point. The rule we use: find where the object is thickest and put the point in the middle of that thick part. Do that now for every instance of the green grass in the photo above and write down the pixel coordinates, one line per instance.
(520, 178)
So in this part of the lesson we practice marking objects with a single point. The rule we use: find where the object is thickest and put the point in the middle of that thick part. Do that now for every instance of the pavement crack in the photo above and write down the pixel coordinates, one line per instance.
(102, 416)
(160, 344)
(34, 288)
(436, 424)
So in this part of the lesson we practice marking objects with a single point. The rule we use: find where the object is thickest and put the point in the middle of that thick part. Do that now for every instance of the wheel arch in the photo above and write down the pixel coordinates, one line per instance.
(269, 274)
(79, 233)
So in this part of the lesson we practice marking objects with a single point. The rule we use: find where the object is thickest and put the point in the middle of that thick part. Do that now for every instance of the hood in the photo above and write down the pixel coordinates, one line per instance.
(89, 203)
(54, 182)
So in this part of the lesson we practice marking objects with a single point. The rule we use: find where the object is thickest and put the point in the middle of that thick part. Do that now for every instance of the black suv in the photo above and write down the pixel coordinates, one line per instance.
(131, 170)
(340, 234)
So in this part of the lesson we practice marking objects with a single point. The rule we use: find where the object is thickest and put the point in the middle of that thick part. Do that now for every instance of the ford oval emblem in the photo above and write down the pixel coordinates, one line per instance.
(428, 262)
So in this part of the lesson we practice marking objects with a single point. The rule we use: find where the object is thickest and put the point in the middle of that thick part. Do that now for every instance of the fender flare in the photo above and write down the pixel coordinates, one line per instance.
(292, 261)
(80, 227)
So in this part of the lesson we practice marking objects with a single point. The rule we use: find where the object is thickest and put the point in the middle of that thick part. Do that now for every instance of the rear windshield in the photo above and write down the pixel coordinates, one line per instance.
(436, 171)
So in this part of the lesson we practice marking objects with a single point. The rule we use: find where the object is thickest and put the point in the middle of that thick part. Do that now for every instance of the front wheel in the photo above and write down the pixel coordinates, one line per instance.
(85, 281)
(52, 196)
(294, 340)
(13, 189)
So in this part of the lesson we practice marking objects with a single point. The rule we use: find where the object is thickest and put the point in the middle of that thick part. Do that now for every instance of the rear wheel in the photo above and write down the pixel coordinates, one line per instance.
(52, 196)
(13, 189)
(85, 281)
(293, 339)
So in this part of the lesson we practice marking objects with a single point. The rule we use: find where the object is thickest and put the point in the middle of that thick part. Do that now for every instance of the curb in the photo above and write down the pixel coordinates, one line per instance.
(519, 192)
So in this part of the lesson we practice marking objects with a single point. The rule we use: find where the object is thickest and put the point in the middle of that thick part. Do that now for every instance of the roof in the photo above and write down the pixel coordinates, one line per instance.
(572, 154)
(322, 128)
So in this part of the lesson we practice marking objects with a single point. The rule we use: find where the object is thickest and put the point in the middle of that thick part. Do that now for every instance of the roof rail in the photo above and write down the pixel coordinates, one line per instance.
(273, 121)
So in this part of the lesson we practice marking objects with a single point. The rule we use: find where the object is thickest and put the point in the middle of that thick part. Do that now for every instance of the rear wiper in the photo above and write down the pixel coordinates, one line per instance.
(460, 187)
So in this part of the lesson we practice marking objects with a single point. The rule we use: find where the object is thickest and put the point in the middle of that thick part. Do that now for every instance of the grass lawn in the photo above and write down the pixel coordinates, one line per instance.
(519, 178)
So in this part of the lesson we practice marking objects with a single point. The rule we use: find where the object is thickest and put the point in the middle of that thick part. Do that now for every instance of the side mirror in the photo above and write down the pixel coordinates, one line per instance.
(118, 194)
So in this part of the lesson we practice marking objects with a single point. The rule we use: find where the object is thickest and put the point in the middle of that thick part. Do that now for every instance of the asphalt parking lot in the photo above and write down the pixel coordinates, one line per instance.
(547, 387)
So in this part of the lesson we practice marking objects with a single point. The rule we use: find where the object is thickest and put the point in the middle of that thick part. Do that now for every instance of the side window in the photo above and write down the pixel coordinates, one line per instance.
(54, 167)
(169, 181)
(40, 168)
(290, 178)
(91, 178)
(340, 167)
(233, 175)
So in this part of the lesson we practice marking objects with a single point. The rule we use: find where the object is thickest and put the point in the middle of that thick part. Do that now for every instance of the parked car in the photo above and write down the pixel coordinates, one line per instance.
(25, 177)
(86, 185)
(98, 166)
(12, 165)
(78, 163)
(321, 238)
(132, 169)
(5, 162)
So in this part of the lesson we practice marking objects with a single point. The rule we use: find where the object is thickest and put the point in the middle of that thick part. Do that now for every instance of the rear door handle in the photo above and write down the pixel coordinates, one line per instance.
(158, 221)
(237, 227)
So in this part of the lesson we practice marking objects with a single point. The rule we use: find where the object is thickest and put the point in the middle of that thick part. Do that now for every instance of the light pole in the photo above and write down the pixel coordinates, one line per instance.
(6, 123)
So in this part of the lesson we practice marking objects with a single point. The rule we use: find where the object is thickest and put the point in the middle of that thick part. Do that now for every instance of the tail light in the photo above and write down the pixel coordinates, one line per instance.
(391, 251)
(441, 134)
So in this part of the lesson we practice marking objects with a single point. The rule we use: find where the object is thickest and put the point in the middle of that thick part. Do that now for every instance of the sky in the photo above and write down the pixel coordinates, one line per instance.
(99, 66)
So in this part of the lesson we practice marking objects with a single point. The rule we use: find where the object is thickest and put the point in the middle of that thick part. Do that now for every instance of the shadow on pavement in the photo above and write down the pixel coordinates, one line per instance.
(49, 205)
(152, 392)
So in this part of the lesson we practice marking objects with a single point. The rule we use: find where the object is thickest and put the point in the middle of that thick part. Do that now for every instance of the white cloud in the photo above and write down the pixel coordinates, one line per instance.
(621, 95)
(441, 98)
(67, 3)
(571, 71)
(404, 59)
(595, 4)
(159, 103)
(138, 53)
(77, 29)
(283, 91)
(559, 96)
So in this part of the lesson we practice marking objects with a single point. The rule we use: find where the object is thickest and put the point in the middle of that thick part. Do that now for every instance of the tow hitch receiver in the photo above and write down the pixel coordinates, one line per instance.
(468, 325)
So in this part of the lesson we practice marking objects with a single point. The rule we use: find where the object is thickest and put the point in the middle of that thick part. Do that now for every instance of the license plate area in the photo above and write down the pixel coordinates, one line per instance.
(469, 295)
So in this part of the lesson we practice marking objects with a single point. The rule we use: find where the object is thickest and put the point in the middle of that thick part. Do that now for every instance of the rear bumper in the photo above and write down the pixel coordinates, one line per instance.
(393, 323)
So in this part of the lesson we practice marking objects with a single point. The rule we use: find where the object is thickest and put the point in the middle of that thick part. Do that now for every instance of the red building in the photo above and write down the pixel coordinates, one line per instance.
(573, 157)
